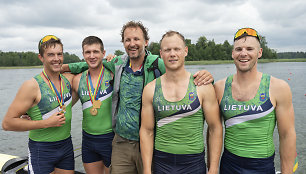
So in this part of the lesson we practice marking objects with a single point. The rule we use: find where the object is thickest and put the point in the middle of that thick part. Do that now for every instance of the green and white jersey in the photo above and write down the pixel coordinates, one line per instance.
(47, 106)
(179, 125)
(249, 125)
(102, 122)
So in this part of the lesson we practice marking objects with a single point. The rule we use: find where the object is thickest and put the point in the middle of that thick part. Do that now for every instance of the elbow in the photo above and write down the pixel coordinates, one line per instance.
(5, 126)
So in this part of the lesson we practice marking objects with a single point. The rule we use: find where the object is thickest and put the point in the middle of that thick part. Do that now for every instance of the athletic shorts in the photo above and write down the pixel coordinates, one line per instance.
(167, 163)
(45, 156)
(233, 164)
(97, 148)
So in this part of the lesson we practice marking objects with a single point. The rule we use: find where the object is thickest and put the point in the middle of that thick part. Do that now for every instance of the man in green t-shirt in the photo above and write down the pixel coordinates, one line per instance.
(251, 104)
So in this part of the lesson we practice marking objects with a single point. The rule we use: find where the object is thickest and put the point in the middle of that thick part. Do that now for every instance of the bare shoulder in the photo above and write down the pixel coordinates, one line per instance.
(69, 76)
(279, 90)
(29, 90)
(150, 86)
(220, 84)
(205, 91)
(278, 86)
(278, 83)
(219, 88)
(76, 81)
(77, 77)
(29, 85)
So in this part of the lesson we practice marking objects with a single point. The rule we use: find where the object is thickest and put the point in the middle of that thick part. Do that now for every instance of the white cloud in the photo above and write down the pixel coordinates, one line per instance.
(23, 23)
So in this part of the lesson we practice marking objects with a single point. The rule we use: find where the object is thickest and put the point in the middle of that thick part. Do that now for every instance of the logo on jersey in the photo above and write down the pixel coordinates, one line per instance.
(262, 97)
(107, 83)
(68, 86)
(191, 96)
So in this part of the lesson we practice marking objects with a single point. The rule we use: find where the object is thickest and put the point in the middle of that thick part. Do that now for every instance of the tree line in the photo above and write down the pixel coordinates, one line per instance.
(29, 58)
(291, 55)
(203, 49)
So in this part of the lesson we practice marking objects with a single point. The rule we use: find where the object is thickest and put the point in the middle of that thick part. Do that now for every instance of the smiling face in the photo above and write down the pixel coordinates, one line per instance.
(52, 58)
(245, 53)
(134, 42)
(173, 51)
(93, 55)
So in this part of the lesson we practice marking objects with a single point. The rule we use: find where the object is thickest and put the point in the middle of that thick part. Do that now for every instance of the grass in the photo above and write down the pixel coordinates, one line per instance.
(20, 67)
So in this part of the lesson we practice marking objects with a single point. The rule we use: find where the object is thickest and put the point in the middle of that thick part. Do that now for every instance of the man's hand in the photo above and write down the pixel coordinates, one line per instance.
(109, 57)
(203, 77)
(65, 68)
(56, 120)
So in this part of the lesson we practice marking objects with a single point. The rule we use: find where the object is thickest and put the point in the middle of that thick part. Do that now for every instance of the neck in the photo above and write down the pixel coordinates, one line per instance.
(95, 72)
(137, 63)
(176, 76)
(53, 76)
(247, 78)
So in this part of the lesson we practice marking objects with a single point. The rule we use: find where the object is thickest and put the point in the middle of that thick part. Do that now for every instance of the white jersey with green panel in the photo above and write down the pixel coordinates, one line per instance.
(179, 125)
(47, 106)
(249, 125)
(102, 122)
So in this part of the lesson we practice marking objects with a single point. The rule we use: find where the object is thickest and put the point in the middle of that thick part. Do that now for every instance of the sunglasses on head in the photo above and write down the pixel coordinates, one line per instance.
(47, 38)
(246, 32)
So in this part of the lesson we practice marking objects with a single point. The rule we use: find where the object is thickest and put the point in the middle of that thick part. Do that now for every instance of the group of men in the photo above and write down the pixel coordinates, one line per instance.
(143, 114)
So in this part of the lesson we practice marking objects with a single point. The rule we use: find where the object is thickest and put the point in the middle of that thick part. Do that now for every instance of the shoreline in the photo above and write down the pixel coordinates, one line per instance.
(215, 62)
(203, 62)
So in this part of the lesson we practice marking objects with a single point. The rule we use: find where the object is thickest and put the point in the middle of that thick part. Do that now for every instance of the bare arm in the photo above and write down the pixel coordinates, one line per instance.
(147, 128)
(203, 77)
(281, 94)
(27, 97)
(215, 133)
(75, 88)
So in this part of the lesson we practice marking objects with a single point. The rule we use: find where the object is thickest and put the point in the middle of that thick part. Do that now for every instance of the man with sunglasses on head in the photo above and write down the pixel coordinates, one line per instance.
(47, 98)
(251, 104)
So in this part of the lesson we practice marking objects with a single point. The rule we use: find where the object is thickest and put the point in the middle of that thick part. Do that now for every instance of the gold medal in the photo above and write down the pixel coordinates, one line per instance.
(96, 103)
(62, 109)
(93, 111)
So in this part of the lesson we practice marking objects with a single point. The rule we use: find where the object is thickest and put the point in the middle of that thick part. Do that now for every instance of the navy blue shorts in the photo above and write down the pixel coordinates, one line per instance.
(45, 156)
(97, 148)
(233, 164)
(167, 163)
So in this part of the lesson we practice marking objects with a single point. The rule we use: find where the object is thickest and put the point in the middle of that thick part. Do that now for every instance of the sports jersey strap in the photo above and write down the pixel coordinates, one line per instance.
(228, 86)
(265, 84)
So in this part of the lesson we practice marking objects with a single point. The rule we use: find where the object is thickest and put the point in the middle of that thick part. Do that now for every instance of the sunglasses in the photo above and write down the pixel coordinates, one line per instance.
(246, 32)
(47, 38)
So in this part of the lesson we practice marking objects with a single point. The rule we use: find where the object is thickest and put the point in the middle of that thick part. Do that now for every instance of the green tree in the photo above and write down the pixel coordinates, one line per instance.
(267, 53)
(154, 48)
(118, 52)
(70, 58)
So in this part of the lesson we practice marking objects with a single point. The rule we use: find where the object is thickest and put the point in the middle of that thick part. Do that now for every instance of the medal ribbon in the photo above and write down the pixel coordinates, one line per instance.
(59, 97)
(138, 68)
(97, 89)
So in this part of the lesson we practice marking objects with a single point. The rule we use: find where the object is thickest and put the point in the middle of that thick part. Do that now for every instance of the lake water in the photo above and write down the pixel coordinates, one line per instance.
(15, 143)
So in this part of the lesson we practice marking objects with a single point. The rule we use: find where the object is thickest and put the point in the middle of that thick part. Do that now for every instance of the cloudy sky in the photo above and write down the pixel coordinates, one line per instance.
(24, 22)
